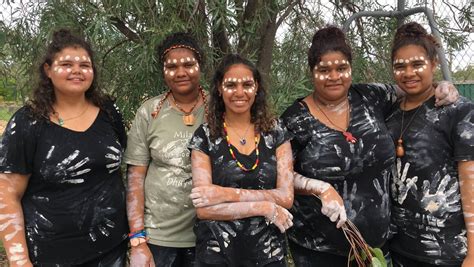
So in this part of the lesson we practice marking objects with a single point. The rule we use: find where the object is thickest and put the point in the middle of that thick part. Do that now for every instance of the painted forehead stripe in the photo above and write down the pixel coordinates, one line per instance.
(329, 63)
(408, 60)
(76, 58)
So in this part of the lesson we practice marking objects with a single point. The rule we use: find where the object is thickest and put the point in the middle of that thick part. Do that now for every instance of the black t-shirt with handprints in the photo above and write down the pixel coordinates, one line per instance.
(74, 204)
(427, 210)
(360, 172)
(249, 241)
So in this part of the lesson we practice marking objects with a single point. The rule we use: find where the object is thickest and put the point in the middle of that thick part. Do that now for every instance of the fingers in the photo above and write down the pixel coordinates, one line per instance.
(342, 219)
(446, 93)
(334, 211)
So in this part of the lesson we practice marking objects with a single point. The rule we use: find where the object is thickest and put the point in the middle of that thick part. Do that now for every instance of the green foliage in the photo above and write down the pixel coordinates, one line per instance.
(124, 34)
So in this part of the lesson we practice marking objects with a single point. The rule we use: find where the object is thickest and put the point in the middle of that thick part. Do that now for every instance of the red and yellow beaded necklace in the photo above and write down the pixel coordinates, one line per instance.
(241, 166)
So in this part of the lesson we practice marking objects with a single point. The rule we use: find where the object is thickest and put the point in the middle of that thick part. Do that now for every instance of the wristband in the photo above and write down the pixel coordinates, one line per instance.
(141, 233)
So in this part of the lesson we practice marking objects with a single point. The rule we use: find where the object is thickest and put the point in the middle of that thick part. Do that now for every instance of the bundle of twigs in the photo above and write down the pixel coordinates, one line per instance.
(360, 251)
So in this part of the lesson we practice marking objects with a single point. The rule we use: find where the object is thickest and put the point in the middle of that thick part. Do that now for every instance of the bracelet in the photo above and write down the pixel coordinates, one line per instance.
(141, 233)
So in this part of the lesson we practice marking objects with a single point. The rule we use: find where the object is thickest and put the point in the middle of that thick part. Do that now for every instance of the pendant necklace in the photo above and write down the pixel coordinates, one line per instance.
(348, 135)
(231, 151)
(242, 140)
(62, 121)
(400, 151)
(188, 117)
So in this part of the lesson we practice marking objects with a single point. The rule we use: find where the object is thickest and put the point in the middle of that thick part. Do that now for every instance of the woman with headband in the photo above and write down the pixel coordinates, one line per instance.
(160, 212)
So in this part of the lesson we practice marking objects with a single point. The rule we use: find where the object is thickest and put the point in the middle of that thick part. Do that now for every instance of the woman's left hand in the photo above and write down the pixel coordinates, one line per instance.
(446, 93)
(208, 195)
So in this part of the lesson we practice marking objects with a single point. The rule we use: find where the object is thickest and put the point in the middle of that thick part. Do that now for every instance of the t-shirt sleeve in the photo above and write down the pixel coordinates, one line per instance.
(382, 96)
(138, 152)
(463, 135)
(281, 133)
(297, 125)
(200, 140)
(117, 122)
(18, 145)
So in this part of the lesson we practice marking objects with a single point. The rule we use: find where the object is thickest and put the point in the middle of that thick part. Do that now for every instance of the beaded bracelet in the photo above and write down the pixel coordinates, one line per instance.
(141, 233)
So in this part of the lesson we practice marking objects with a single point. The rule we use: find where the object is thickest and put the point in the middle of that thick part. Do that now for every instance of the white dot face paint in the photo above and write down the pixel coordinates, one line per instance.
(189, 63)
(324, 69)
(230, 84)
(418, 64)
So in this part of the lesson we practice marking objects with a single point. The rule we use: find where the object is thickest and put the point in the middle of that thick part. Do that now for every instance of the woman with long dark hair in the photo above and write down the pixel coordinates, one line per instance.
(62, 198)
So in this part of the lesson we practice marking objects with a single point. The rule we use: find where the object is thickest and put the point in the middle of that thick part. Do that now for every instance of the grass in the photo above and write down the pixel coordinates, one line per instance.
(5, 115)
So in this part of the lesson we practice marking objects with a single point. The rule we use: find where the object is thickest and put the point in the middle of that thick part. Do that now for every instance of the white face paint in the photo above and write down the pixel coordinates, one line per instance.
(322, 71)
(418, 63)
(65, 63)
(189, 63)
(230, 84)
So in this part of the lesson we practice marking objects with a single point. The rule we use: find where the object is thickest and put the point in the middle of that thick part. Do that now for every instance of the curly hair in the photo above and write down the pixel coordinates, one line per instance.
(260, 113)
(43, 96)
(179, 40)
(328, 39)
(413, 33)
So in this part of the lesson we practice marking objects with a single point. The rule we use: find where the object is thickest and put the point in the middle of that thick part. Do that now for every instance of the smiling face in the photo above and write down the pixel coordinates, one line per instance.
(332, 77)
(181, 71)
(238, 89)
(413, 70)
(71, 72)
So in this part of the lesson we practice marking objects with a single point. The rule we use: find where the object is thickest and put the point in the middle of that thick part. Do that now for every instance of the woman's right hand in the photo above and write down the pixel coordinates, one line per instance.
(140, 256)
(333, 206)
(280, 217)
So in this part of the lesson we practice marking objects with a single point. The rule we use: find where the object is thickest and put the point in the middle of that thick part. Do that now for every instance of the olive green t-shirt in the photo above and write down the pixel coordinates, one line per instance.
(161, 144)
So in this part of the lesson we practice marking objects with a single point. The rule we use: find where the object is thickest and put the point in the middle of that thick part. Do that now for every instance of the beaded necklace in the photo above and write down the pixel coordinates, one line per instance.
(241, 166)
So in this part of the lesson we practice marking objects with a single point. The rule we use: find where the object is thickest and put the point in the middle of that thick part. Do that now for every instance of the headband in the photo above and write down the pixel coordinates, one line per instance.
(180, 46)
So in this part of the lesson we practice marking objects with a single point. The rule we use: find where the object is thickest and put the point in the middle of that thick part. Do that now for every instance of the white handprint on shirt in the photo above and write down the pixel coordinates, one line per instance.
(443, 200)
(401, 184)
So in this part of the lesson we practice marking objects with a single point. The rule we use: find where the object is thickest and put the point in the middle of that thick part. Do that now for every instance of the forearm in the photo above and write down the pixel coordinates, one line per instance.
(12, 226)
(466, 178)
(308, 186)
(284, 193)
(235, 210)
(136, 197)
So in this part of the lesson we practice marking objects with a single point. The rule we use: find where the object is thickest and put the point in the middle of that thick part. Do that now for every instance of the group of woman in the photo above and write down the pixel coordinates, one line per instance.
(368, 153)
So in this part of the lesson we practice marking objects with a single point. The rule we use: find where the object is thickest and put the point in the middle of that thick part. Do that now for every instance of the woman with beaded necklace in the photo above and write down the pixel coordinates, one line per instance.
(242, 174)
(160, 212)
(340, 142)
(433, 189)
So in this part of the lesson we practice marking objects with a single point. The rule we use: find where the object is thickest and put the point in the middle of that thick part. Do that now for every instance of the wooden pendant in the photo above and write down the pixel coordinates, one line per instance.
(189, 119)
(349, 137)
(400, 150)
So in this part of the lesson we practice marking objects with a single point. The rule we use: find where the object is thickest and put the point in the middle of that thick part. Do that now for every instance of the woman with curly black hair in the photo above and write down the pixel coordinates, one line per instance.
(160, 213)
(62, 198)
(242, 173)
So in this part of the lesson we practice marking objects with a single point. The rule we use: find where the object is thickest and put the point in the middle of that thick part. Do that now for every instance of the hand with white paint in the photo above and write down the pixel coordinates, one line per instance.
(280, 217)
(209, 195)
(141, 256)
(331, 200)
(446, 93)
(442, 200)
